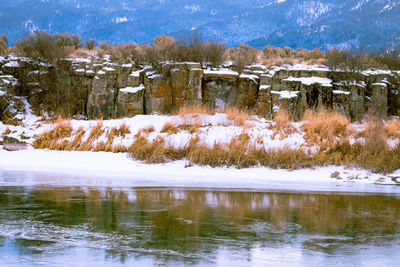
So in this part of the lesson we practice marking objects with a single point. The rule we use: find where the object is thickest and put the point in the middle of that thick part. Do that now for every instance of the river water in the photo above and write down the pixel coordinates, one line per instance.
(47, 224)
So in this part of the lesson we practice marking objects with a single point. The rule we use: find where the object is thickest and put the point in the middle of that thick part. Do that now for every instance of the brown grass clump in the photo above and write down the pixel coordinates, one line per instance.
(240, 154)
(94, 134)
(203, 155)
(392, 128)
(119, 149)
(123, 130)
(284, 158)
(100, 146)
(117, 132)
(153, 152)
(11, 121)
(169, 128)
(325, 128)
(239, 117)
(237, 153)
(373, 153)
(145, 131)
(282, 125)
(7, 131)
(51, 139)
(77, 141)
(195, 109)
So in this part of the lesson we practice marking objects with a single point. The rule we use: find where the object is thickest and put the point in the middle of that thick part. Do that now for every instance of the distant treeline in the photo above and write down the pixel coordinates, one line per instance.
(192, 47)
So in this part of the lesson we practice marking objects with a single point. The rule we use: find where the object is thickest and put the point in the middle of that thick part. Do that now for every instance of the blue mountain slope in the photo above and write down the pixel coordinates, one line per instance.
(297, 23)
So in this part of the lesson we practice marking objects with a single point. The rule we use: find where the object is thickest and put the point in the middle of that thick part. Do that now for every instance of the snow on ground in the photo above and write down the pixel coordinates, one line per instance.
(120, 169)
(217, 128)
(107, 169)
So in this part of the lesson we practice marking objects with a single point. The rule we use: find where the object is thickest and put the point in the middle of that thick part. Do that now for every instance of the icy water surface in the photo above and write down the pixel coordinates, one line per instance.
(49, 225)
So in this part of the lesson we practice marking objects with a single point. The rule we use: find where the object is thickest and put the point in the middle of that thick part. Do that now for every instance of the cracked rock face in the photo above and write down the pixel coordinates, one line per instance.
(100, 89)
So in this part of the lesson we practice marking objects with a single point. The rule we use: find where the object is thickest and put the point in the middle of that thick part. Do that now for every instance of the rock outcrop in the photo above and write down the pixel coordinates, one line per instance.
(100, 89)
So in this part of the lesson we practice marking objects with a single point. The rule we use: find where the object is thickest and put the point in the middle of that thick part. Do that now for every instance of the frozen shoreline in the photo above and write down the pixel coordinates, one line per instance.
(32, 167)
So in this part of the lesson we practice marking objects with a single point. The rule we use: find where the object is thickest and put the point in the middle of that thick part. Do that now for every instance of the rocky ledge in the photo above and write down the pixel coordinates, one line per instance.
(101, 89)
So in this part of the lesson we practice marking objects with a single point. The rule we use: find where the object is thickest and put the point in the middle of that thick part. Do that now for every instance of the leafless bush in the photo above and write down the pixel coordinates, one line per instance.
(214, 53)
(189, 48)
(166, 47)
(243, 56)
(76, 41)
(42, 45)
(336, 58)
(3, 44)
(124, 53)
(91, 44)
(388, 58)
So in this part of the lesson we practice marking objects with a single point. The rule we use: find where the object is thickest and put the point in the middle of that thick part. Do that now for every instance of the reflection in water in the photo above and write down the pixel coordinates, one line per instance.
(193, 227)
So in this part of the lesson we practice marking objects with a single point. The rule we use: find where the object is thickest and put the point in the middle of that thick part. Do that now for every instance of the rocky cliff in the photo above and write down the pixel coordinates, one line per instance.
(101, 89)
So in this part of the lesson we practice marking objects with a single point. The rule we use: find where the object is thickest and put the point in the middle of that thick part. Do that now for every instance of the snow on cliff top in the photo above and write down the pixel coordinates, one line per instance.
(311, 80)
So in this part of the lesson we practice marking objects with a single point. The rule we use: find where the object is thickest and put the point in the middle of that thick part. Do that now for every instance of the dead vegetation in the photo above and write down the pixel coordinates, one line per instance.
(53, 139)
(282, 125)
(195, 110)
(392, 128)
(324, 128)
(329, 138)
(238, 117)
(170, 128)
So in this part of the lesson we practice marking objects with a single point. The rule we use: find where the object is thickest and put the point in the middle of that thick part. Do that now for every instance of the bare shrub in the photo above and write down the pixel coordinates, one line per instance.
(166, 47)
(388, 58)
(90, 44)
(243, 56)
(214, 53)
(76, 41)
(124, 53)
(336, 59)
(3, 44)
(190, 47)
(150, 55)
(42, 45)
(63, 39)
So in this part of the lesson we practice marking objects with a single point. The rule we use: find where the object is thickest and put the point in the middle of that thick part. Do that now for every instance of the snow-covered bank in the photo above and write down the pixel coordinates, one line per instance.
(108, 169)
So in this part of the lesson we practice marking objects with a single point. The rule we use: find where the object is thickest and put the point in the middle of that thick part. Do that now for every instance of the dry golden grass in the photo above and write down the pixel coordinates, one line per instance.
(10, 120)
(148, 152)
(119, 148)
(77, 141)
(7, 131)
(328, 131)
(95, 132)
(282, 125)
(195, 109)
(121, 131)
(392, 128)
(170, 128)
(51, 139)
(284, 158)
(239, 117)
(325, 128)
(145, 131)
